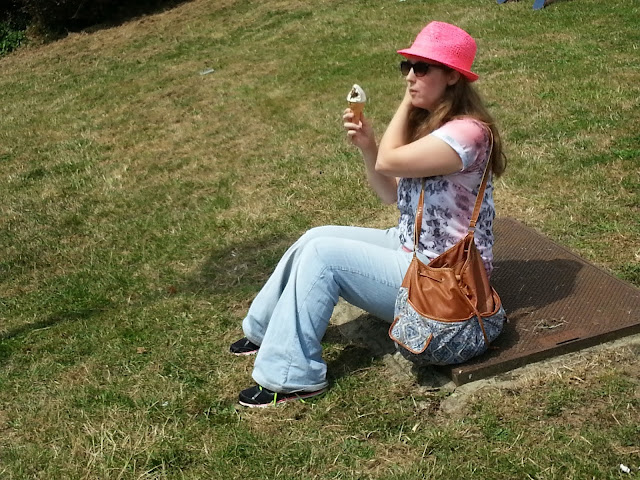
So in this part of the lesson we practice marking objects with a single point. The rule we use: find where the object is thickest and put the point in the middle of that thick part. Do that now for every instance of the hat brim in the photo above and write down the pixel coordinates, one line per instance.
(468, 74)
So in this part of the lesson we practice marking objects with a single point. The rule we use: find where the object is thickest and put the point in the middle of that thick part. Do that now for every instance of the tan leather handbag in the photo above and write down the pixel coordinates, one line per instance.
(446, 311)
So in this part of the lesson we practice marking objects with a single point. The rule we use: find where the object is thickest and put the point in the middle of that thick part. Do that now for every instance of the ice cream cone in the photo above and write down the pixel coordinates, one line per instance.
(356, 100)
(357, 108)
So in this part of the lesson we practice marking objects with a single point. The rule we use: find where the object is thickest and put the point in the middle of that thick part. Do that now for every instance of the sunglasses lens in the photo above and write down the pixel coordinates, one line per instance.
(420, 69)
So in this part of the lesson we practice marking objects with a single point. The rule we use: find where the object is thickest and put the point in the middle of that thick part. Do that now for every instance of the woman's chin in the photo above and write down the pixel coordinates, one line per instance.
(418, 104)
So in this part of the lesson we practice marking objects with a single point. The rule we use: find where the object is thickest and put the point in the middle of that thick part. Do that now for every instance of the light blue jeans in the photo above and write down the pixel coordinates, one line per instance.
(290, 315)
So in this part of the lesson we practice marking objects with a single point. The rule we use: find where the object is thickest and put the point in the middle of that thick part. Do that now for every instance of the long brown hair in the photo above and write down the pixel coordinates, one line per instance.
(460, 100)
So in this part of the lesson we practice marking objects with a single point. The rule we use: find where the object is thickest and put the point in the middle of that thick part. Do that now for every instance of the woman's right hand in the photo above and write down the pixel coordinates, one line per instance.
(360, 134)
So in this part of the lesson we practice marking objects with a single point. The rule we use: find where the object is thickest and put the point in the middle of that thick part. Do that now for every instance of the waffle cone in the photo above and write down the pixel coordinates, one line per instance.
(357, 109)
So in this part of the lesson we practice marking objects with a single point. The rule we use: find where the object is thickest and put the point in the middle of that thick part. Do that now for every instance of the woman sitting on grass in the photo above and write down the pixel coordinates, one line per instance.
(440, 132)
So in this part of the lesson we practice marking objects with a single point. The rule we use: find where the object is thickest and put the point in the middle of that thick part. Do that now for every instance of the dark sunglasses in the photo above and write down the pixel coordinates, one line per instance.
(420, 69)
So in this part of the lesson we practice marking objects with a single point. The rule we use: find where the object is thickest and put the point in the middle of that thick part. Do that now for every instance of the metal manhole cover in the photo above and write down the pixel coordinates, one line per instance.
(556, 303)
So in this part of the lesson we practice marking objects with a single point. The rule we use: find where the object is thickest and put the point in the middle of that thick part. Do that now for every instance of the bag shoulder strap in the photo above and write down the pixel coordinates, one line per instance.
(483, 185)
(476, 209)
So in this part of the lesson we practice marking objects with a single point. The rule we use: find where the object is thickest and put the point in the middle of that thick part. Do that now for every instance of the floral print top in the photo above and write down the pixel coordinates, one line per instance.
(449, 199)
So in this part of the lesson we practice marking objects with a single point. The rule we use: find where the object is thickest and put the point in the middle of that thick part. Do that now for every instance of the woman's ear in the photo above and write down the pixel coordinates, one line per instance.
(454, 76)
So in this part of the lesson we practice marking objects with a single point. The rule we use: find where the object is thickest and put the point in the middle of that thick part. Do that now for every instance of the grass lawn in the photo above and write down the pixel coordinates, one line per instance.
(142, 206)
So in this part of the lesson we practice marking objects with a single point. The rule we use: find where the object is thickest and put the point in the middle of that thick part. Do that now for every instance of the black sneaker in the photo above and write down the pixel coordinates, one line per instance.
(261, 397)
(243, 347)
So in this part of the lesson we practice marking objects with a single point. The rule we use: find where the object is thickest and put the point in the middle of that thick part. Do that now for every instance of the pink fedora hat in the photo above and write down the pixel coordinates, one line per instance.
(447, 44)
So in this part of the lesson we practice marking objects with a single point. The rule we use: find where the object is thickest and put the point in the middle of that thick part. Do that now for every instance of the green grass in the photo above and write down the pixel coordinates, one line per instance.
(12, 35)
(142, 205)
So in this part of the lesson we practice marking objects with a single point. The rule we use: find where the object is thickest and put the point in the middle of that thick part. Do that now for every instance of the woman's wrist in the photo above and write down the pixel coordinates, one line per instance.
(370, 150)
(405, 105)
(369, 160)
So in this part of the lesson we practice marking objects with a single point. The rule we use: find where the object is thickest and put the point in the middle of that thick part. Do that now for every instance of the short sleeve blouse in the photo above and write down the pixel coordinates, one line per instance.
(449, 199)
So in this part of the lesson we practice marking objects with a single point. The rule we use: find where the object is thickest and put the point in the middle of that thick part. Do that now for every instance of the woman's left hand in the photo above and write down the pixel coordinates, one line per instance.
(360, 134)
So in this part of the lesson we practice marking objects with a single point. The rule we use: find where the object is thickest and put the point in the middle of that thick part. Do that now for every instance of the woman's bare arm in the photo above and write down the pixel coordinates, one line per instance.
(363, 137)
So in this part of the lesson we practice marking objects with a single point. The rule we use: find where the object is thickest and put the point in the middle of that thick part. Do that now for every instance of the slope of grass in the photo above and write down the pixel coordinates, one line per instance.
(143, 204)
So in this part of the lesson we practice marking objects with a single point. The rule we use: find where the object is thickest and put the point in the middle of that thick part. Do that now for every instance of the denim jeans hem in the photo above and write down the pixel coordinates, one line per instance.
(290, 388)
(251, 338)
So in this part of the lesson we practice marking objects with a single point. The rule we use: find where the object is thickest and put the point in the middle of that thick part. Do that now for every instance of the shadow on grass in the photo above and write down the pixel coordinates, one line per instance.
(124, 12)
(239, 267)
(548, 3)
(94, 16)
(11, 340)
(365, 331)
(365, 339)
(351, 359)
